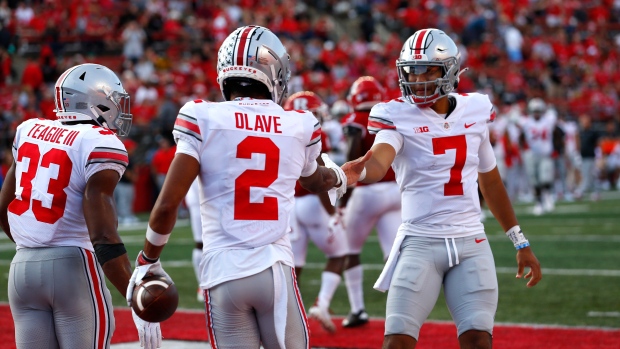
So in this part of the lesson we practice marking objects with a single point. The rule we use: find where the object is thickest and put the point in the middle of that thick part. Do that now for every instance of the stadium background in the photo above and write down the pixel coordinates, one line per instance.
(567, 52)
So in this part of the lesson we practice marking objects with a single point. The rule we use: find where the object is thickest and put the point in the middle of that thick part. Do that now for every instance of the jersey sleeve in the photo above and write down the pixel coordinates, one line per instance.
(313, 150)
(186, 132)
(108, 153)
(316, 134)
(379, 120)
(486, 154)
(391, 137)
(492, 114)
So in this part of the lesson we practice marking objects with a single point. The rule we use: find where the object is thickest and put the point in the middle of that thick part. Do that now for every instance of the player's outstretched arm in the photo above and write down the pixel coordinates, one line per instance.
(322, 180)
(100, 216)
(371, 167)
(497, 200)
(6, 196)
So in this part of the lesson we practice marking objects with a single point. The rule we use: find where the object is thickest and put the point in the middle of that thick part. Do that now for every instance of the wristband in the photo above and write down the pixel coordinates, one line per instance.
(516, 236)
(362, 175)
(338, 180)
(156, 238)
(144, 260)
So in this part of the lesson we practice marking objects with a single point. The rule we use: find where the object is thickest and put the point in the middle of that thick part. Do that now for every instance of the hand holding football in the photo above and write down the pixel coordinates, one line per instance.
(155, 298)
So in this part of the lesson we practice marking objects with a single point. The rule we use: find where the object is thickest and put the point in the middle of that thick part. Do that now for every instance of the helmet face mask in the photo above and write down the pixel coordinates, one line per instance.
(256, 53)
(93, 92)
(425, 49)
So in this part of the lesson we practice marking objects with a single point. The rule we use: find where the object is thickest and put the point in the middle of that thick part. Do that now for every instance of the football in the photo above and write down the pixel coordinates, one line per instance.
(155, 298)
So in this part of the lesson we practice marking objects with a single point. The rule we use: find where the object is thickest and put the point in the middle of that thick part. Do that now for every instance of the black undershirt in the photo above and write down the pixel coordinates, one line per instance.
(451, 106)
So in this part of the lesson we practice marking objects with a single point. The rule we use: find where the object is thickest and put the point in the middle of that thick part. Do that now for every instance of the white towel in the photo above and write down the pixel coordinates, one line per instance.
(280, 302)
(384, 280)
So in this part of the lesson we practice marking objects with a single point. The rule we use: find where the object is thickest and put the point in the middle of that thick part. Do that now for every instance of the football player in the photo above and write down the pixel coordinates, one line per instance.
(537, 133)
(437, 142)
(314, 218)
(370, 205)
(57, 205)
(249, 153)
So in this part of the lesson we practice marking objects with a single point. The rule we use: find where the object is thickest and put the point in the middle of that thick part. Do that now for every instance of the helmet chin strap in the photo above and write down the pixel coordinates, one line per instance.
(99, 120)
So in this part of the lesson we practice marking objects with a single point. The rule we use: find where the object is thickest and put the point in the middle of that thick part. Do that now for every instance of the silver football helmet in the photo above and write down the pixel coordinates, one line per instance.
(536, 106)
(93, 92)
(423, 50)
(256, 53)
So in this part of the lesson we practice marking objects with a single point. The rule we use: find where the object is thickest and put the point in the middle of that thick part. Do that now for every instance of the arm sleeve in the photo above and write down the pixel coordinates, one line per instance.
(316, 135)
(313, 150)
(187, 133)
(186, 147)
(378, 120)
(108, 154)
(486, 155)
(391, 137)
(312, 153)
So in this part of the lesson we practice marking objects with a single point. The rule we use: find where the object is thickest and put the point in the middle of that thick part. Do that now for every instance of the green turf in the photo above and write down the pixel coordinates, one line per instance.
(579, 238)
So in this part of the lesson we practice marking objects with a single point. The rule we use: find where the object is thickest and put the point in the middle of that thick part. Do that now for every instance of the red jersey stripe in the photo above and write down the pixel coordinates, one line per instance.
(316, 133)
(188, 125)
(376, 124)
(108, 155)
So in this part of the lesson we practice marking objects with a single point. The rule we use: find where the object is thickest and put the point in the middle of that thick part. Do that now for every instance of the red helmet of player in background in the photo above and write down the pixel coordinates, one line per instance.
(307, 100)
(365, 92)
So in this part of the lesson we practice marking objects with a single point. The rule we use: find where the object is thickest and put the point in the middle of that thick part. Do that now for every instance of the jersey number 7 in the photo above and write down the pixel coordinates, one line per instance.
(55, 187)
(440, 145)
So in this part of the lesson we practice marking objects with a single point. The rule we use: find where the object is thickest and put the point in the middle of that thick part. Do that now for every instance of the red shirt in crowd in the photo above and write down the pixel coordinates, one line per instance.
(162, 159)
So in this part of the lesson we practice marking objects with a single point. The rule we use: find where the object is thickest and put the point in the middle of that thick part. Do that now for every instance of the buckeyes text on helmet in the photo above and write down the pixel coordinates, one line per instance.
(308, 100)
(93, 92)
(254, 52)
(365, 92)
(425, 49)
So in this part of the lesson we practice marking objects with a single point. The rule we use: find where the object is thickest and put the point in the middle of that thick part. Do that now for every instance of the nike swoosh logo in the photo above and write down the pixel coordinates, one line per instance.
(470, 125)
(479, 240)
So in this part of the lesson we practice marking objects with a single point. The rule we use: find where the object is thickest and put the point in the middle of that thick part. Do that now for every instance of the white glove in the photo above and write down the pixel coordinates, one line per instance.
(149, 332)
(335, 192)
(335, 226)
(140, 272)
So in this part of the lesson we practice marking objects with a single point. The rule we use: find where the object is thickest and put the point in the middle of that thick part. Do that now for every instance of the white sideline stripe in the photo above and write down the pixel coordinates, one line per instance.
(604, 314)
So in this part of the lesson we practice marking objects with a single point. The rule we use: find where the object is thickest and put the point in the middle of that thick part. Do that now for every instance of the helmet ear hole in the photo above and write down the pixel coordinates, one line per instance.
(103, 108)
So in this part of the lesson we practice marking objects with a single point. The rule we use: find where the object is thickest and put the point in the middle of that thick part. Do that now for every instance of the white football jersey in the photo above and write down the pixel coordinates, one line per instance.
(438, 162)
(539, 133)
(53, 163)
(251, 153)
(571, 132)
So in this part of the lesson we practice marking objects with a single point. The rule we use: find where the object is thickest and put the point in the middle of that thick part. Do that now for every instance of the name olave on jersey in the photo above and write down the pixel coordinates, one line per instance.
(260, 123)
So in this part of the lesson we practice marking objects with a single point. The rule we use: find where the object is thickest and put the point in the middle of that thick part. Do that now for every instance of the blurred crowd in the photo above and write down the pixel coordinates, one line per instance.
(566, 52)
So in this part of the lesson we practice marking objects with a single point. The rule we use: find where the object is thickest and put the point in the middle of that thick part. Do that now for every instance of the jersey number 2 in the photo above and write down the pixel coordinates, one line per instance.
(440, 145)
(55, 187)
(268, 209)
